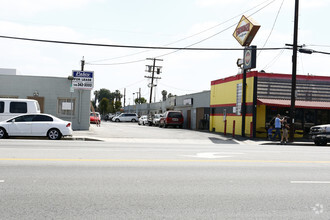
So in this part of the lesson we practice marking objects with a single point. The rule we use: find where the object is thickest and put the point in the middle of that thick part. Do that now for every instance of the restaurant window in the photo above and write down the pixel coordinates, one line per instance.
(322, 117)
(309, 116)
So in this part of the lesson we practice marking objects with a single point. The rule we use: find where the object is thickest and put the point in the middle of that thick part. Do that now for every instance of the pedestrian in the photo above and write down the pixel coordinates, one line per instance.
(270, 132)
(277, 127)
(285, 128)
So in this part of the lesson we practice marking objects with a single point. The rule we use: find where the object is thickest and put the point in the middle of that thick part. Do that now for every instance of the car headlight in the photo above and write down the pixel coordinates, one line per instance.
(323, 129)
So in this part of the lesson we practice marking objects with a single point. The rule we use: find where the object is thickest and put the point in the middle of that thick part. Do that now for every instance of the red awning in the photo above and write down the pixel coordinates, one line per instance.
(298, 103)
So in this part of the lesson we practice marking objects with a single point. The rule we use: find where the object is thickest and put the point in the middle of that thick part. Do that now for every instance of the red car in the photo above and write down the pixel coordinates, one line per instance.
(95, 118)
(171, 118)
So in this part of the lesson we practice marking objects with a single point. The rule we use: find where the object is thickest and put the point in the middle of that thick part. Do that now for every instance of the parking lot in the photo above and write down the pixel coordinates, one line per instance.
(132, 132)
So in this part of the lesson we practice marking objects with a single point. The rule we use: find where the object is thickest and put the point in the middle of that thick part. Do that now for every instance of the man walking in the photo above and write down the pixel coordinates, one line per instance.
(277, 127)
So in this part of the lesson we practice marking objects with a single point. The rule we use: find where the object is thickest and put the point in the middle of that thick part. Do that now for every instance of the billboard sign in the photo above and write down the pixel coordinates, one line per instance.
(83, 79)
(245, 31)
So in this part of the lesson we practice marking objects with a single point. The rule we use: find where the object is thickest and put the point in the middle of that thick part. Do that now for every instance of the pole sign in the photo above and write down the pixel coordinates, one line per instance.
(83, 79)
(245, 31)
(250, 57)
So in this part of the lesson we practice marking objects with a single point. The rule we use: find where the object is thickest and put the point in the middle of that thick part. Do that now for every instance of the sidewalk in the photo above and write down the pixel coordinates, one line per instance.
(95, 134)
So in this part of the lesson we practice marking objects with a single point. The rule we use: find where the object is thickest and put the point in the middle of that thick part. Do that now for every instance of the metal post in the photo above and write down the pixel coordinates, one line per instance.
(243, 103)
(225, 128)
(294, 70)
(233, 128)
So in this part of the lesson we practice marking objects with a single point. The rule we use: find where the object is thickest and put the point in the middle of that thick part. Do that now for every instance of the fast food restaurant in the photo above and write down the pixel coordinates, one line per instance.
(268, 94)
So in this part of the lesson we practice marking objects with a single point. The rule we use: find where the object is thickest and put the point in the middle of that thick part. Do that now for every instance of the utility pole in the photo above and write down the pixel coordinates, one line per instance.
(294, 70)
(124, 97)
(151, 69)
(82, 64)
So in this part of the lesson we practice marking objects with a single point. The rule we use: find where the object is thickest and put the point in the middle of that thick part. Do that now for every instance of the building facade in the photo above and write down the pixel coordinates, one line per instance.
(194, 107)
(53, 95)
(268, 94)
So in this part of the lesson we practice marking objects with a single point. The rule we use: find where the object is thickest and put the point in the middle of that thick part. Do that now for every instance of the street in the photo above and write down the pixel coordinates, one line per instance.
(142, 172)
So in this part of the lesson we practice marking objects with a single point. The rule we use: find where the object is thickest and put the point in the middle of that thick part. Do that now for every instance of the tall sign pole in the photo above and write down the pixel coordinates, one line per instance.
(294, 70)
(244, 34)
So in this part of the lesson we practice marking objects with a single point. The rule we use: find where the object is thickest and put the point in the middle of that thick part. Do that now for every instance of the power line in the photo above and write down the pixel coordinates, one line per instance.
(271, 31)
(185, 38)
(126, 46)
(190, 46)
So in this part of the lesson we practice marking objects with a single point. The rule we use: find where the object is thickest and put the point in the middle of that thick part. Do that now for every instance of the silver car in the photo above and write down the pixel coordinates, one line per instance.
(126, 117)
(155, 120)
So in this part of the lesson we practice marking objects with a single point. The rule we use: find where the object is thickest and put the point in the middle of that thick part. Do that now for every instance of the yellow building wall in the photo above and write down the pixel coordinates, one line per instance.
(225, 94)
(218, 125)
(261, 121)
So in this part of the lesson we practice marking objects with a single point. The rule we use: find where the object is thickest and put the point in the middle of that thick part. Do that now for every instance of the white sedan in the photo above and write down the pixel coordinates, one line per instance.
(35, 125)
(143, 120)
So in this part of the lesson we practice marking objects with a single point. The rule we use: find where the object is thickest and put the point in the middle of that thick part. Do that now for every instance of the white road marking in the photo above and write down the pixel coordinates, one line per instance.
(2, 181)
(213, 155)
(311, 182)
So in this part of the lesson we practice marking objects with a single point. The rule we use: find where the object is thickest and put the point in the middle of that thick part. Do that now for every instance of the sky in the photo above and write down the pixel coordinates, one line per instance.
(156, 23)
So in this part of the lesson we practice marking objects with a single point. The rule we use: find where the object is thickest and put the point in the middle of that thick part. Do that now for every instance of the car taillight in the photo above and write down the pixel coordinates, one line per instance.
(68, 125)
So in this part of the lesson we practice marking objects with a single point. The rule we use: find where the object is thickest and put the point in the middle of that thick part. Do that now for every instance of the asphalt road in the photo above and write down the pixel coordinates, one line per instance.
(159, 179)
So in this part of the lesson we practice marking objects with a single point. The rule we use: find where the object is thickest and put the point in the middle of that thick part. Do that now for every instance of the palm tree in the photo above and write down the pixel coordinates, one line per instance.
(118, 96)
(96, 95)
(164, 93)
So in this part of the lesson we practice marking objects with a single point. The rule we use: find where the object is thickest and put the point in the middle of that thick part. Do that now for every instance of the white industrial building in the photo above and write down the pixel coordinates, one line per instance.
(52, 93)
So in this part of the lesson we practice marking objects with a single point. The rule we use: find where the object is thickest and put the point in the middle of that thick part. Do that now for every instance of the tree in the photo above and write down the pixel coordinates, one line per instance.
(164, 93)
(117, 106)
(114, 103)
(96, 94)
(140, 100)
(170, 95)
(104, 106)
(105, 93)
(117, 95)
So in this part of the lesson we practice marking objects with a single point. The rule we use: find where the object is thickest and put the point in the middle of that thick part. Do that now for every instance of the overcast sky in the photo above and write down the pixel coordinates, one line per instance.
(174, 23)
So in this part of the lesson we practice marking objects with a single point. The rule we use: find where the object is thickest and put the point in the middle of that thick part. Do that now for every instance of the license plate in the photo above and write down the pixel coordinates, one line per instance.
(175, 119)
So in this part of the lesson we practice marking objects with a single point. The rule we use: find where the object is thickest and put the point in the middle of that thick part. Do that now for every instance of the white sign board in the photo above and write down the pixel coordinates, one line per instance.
(83, 79)
(66, 106)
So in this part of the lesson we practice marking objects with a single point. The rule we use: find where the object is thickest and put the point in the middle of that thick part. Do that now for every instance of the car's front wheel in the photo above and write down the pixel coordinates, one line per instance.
(54, 134)
(117, 120)
(3, 133)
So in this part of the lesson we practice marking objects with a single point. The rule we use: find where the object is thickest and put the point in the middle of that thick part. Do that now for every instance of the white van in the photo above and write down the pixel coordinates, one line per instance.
(13, 107)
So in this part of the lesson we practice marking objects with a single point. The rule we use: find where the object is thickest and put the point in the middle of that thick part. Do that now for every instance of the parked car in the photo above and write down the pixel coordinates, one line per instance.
(108, 117)
(143, 120)
(35, 125)
(126, 117)
(171, 118)
(156, 119)
(95, 118)
(320, 134)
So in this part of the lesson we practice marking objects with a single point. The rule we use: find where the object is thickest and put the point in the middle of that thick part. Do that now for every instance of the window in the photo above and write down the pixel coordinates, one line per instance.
(24, 118)
(65, 106)
(42, 118)
(174, 115)
(18, 107)
(2, 107)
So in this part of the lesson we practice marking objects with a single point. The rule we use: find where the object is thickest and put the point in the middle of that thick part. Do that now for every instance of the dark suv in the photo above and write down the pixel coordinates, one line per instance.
(171, 118)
